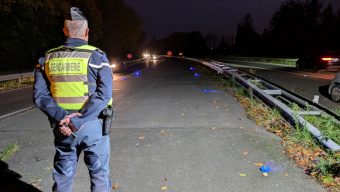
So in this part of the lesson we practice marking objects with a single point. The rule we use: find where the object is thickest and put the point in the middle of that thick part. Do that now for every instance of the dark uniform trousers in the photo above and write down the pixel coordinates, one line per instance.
(96, 148)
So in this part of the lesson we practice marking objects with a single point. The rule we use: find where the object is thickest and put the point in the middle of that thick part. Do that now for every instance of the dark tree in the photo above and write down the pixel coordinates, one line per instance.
(31, 27)
(295, 28)
(190, 44)
(212, 41)
(123, 30)
(246, 41)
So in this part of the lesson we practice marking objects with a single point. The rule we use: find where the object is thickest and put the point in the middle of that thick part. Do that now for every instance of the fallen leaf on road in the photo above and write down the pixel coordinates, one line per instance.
(164, 188)
(258, 164)
(114, 186)
(164, 179)
(245, 152)
(243, 174)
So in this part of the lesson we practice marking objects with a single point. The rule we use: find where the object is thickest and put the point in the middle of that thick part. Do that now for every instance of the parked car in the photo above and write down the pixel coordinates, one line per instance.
(334, 88)
(319, 60)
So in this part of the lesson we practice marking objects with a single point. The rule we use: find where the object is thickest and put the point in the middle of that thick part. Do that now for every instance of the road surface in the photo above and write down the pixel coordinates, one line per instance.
(174, 131)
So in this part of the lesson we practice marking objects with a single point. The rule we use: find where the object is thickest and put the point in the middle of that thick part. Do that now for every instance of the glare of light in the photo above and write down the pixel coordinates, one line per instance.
(154, 57)
(196, 75)
(209, 91)
(113, 65)
(137, 74)
(191, 68)
(326, 59)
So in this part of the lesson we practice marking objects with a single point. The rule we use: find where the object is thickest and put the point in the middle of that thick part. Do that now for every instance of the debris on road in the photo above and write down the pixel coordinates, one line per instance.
(265, 169)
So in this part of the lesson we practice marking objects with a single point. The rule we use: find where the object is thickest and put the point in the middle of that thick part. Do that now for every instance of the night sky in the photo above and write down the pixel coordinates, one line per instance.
(163, 17)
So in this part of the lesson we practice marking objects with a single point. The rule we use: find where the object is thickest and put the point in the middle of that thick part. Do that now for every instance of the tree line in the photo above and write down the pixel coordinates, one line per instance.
(29, 28)
(296, 28)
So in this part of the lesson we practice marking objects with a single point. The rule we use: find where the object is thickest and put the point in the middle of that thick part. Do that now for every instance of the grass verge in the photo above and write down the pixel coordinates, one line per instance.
(281, 61)
(9, 151)
(318, 162)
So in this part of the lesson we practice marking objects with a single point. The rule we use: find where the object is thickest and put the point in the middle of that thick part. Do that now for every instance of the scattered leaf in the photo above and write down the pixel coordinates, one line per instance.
(243, 174)
(258, 164)
(245, 152)
(164, 188)
(114, 186)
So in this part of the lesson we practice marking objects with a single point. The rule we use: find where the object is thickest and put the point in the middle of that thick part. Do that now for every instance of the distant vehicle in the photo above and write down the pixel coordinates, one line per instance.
(117, 65)
(334, 88)
(153, 57)
(319, 60)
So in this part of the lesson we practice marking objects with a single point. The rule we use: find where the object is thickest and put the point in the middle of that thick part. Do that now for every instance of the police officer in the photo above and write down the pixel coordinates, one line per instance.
(73, 85)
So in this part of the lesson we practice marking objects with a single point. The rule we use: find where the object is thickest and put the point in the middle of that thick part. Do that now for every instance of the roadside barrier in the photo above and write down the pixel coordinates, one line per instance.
(276, 97)
(15, 76)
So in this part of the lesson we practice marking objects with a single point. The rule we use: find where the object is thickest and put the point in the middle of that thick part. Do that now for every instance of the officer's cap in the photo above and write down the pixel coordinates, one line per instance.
(75, 14)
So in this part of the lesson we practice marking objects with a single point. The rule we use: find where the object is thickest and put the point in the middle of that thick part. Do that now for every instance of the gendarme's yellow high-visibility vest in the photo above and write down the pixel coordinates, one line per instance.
(66, 68)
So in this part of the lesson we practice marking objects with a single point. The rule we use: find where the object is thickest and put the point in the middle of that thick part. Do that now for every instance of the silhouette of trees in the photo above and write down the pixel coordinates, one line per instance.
(123, 30)
(30, 27)
(246, 40)
(190, 44)
(296, 27)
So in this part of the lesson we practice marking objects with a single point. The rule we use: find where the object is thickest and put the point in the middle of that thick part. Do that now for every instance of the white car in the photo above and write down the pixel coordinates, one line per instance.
(334, 88)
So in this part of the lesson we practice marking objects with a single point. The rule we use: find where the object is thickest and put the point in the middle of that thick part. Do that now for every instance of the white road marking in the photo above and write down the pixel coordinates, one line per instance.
(16, 112)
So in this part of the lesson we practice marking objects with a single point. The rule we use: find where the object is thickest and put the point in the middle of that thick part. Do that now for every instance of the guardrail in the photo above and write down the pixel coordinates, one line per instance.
(275, 97)
(272, 61)
(15, 76)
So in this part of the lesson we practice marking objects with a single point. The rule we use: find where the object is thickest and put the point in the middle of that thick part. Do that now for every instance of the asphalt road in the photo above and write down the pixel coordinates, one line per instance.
(174, 132)
(15, 100)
